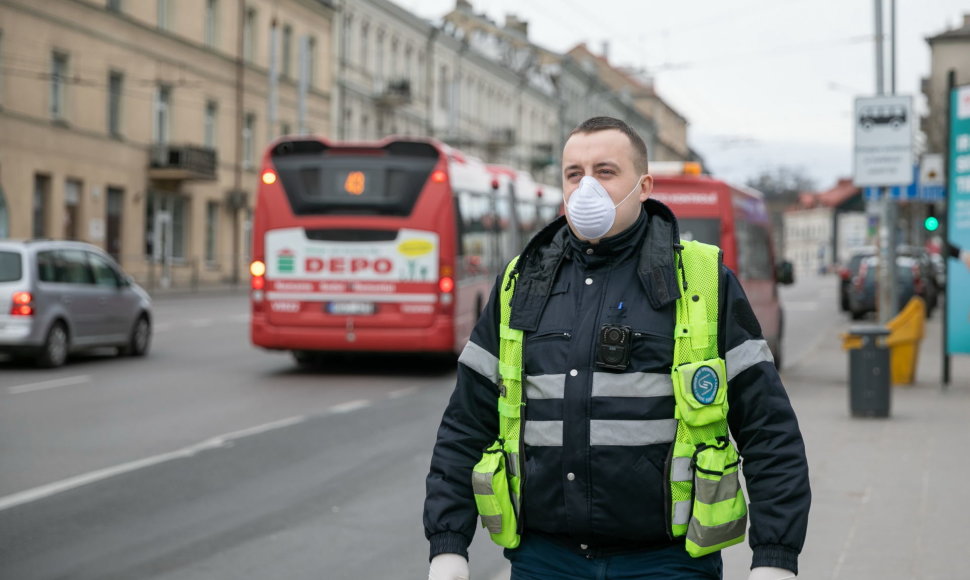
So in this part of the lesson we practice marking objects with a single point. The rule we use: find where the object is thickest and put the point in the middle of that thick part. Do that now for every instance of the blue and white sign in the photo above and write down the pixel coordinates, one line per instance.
(924, 187)
(958, 223)
(704, 385)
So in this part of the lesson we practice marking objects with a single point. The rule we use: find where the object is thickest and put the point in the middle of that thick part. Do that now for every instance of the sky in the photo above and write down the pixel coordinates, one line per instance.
(763, 83)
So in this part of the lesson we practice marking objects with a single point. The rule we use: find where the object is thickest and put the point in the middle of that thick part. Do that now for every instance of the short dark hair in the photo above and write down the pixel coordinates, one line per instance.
(594, 124)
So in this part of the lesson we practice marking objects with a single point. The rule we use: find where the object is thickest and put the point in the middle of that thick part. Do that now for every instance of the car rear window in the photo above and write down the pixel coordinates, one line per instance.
(11, 266)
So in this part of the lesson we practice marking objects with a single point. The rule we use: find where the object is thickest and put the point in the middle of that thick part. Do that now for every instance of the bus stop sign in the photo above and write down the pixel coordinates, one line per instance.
(883, 141)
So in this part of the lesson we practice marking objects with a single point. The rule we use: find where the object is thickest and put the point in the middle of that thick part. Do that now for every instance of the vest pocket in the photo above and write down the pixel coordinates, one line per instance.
(720, 514)
(493, 498)
(701, 392)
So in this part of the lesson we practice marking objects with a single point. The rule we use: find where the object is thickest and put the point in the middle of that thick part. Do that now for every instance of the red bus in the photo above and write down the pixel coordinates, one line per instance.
(736, 219)
(384, 246)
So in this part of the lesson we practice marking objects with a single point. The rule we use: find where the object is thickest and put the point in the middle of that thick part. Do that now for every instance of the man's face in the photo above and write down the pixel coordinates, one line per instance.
(608, 157)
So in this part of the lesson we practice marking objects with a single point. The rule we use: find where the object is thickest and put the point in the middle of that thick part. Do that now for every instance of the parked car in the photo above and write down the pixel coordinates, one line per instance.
(849, 270)
(909, 279)
(59, 297)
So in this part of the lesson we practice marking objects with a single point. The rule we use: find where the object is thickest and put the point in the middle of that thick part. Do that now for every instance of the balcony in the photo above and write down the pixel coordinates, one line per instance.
(182, 162)
(504, 137)
(394, 93)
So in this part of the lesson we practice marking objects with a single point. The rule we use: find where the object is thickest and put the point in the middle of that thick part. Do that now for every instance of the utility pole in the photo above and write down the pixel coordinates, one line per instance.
(886, 287)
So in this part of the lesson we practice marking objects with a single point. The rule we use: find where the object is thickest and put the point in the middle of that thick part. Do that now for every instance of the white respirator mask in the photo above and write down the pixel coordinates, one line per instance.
(591, 209)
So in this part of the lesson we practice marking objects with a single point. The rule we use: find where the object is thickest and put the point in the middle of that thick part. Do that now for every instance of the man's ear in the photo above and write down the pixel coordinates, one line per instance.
(646, 186)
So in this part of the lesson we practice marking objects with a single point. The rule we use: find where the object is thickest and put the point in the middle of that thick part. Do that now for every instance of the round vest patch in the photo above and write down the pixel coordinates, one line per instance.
(704, 385)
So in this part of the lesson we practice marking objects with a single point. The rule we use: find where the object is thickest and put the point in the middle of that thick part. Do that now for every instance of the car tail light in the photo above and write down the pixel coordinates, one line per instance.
(22, 304)
(917, 281)
(858, 280)
(844, 273)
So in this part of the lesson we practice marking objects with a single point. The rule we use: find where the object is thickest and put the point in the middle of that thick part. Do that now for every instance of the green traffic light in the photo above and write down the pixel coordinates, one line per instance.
(931, 224)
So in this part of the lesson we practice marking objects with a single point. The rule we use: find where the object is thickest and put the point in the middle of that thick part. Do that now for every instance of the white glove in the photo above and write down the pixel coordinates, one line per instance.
(767, 573)
(448, 567)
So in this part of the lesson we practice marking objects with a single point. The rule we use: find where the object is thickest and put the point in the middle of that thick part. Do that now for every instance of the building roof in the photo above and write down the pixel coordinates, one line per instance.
(960, 33)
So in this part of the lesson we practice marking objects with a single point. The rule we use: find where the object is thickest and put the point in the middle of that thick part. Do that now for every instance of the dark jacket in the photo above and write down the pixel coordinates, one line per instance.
(596, 440)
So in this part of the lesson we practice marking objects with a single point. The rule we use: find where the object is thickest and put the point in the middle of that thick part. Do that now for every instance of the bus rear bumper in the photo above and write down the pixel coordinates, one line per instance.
(437, 338)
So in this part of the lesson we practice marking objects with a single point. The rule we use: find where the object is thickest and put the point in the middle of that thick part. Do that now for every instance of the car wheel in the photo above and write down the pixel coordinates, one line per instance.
(140, 339)
(54, 352)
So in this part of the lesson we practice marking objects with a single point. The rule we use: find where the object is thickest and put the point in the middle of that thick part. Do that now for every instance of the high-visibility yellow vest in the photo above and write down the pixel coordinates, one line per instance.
(708, 505)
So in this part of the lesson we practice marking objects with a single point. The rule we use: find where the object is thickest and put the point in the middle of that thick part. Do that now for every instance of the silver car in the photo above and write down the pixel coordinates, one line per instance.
(58, 297)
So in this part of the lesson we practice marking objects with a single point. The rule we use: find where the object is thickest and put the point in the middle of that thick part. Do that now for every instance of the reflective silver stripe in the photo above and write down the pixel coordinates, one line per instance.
(746, 355)
(714, 535)
(710, 491)
(680, 470)
(493, 523)
(682, 512)
(482, 483)
(543, 433)
(621, 432)
(632, 385)
(545, 386)
(513, 464)
(480, 360)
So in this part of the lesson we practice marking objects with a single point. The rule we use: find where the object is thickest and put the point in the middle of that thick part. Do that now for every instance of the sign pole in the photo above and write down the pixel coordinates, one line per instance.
(951, 82)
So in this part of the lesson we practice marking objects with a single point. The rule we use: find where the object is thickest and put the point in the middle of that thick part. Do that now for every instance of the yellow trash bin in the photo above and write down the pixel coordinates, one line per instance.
(905, 334)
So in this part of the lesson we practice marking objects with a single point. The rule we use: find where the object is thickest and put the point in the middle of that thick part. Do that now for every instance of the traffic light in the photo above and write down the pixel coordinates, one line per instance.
(931, 224)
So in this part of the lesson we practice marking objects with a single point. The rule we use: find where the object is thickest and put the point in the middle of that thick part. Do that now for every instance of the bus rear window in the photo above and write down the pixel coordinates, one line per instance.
(353, 185)
(701, 230)
(11, 269)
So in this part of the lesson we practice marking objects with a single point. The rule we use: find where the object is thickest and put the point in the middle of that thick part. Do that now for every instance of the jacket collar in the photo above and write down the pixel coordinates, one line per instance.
(543, 255)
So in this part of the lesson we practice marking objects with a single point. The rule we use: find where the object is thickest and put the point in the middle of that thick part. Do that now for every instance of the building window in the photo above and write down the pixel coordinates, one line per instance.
(379, 57)
(443, 87)
(1, 67)
(248, 139)
(115, 84)
(58, 95)
(211, 112)
(113, 215)
(364, 40)
(72, 203)
(162, 120)
(284, 128)
(164, 14)
(249, 36)
(311, 60)
(211, 23)
(42, 193)
(287, 51)
(211, 226)
(114, 5)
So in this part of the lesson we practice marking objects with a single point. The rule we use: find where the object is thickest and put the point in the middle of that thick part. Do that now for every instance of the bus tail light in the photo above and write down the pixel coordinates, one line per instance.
(446, 284)
(258, 281)
(439, 176)
(269, 177)
(22, 304)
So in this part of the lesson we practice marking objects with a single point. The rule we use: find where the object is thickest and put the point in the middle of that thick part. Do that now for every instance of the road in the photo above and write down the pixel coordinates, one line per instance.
(212, 459)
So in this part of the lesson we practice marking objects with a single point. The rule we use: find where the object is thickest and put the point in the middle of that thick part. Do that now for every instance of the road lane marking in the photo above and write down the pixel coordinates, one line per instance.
(402, 393)
(349, 406)
(51, 384)
(57, 487)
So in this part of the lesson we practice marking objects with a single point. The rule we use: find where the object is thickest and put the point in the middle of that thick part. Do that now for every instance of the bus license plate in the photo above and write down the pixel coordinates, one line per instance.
(355, 308)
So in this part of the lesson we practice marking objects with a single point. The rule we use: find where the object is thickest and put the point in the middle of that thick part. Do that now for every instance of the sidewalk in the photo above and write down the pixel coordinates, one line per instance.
(889, 495)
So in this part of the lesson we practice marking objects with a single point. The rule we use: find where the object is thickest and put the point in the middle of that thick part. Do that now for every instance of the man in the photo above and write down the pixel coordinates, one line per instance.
(597, 437)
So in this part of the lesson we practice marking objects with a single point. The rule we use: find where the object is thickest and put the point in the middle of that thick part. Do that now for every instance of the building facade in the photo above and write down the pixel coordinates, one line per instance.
(949, 53)
(138, 126)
